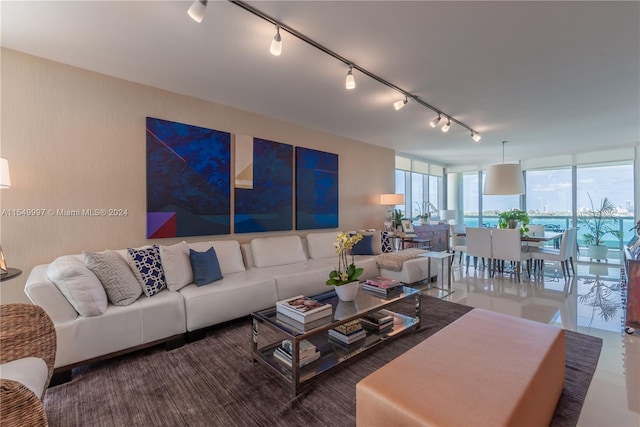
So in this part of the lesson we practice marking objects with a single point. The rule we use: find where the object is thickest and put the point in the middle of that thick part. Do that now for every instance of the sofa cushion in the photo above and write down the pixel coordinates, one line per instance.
(120, 284)
(322, 245)
(206, 268)
(364, 246)
(228, 253)
(31, 372)
(273, 251)
(176, 265)
(147, 267)
(79, 285)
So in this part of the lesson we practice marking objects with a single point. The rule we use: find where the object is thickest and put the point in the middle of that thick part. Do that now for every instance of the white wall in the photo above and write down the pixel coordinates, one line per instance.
(76, 139)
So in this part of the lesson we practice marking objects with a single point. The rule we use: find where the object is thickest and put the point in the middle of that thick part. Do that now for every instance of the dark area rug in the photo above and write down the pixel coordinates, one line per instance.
(212, 382)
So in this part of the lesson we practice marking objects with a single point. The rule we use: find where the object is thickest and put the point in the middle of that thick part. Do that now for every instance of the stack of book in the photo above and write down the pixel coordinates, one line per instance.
(303, 309)
(383, 286)
(308, 353)
(348, 333)
(378, 321)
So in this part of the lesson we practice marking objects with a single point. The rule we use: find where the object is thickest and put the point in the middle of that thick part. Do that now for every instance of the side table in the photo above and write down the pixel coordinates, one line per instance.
(10, 274)
(445, 258)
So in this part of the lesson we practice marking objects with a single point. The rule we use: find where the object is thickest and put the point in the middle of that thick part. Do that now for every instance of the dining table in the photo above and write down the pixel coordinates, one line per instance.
(547, 237)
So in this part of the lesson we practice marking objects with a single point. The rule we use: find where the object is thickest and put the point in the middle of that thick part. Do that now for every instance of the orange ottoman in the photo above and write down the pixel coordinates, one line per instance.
(484, 369)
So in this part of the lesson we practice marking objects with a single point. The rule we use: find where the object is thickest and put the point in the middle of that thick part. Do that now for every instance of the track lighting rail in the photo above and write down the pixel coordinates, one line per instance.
(351, 64)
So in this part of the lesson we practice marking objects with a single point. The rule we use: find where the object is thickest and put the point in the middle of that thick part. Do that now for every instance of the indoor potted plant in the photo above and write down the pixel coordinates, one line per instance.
(423, 213)
(396, 219)
(345, 278)
(598, 223)
(513, 218)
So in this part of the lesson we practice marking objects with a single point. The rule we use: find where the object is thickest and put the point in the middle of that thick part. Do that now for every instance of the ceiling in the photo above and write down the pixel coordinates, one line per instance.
(549, 77)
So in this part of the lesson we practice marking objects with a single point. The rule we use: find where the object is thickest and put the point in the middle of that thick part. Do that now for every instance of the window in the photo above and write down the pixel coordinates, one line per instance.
(421, 183)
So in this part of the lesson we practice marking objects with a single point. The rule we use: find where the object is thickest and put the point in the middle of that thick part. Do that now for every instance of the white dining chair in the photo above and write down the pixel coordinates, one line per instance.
(507, 246)
(479, 246)
(564, 255)
(535, 230)
(458, 243)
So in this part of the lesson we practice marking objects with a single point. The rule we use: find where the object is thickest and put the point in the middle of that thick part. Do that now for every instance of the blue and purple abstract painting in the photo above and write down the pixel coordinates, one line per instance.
(188, 180)
(316, 189)
(264, 186)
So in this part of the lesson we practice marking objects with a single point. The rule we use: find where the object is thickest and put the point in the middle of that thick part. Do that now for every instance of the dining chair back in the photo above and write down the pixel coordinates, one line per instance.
(506, 246)
(563, 255)
(458, 243)
(535, 230)
(478, 245)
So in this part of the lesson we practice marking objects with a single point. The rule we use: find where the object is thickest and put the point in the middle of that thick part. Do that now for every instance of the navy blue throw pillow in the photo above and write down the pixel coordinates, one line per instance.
(205, 266)
(364, 246)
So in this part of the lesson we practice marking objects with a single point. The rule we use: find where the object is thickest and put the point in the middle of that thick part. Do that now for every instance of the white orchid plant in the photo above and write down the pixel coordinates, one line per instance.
(346, 273)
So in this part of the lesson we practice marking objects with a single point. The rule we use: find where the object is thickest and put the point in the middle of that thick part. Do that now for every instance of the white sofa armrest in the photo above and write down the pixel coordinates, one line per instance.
(43, 292)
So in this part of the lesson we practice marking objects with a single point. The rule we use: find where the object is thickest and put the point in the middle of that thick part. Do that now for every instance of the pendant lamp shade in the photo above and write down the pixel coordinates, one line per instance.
(504, 179)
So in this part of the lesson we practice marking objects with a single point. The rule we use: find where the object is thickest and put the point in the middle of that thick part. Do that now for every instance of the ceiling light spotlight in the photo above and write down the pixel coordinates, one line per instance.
(197, 10)
(433, 123)
(276, 43)
(446, 126)
(398, 105)
(350, 82)
(475, 136)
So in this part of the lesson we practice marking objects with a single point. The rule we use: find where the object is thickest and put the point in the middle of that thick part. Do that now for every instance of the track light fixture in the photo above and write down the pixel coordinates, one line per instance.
(433, 123)
(197, 10)
(446, 126)
(398, 105)
(276, 49)
(475, 136)
(350, 82)
(276, 43)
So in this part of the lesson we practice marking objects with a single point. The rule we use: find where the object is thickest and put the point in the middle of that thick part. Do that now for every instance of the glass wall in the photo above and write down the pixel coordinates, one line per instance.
(556, 196)
(422, 186)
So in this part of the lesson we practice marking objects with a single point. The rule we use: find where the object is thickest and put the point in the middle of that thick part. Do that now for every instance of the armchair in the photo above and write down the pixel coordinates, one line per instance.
(27, 339)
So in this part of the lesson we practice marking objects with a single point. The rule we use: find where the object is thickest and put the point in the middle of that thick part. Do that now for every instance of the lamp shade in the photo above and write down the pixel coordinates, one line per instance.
(392, 199)
(504, 179)
(5, 179)
(447, 214)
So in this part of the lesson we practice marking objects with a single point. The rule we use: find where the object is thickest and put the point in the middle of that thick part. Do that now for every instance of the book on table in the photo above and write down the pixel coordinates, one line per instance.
(378, 317)
(349, 327)
(383, 282)
(348, 338)
(290, 322)
(307, 353)
(389, 292)
(303, 309)
(377, 327)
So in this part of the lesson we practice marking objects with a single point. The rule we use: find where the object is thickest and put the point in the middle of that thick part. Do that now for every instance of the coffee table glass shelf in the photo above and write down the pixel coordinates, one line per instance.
(270, 329)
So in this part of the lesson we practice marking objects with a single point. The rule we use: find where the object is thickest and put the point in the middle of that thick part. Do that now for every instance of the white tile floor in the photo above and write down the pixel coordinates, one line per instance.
(589, 303)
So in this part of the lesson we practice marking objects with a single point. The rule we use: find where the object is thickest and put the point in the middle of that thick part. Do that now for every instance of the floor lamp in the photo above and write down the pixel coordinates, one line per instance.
(391, 199)
(5, 182)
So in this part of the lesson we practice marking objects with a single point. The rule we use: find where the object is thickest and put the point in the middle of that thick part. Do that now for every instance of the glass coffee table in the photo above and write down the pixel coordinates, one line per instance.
(270, 329)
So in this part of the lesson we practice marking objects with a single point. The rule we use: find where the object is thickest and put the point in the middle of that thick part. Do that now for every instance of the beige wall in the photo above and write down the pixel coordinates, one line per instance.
(76, 139)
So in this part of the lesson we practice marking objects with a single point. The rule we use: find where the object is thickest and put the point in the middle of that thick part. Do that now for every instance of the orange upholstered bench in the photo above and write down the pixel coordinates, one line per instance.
(485, 368)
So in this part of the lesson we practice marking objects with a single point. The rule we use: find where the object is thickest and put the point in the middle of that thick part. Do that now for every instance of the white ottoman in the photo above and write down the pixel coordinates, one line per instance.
(413, 270)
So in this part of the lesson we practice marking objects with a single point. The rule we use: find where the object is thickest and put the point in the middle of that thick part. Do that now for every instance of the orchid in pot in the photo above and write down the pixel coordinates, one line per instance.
(346, 273)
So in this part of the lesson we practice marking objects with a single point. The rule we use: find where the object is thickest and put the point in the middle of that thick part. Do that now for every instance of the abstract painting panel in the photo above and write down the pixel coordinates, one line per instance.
(316, 189)
(263, 185)
(188, 180)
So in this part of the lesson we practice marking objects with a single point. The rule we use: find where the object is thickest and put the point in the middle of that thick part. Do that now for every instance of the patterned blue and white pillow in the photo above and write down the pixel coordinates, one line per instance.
(147, 268)
(386, 242)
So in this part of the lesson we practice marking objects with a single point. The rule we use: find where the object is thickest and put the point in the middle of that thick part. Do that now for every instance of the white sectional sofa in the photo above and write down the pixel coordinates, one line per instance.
(255, 276)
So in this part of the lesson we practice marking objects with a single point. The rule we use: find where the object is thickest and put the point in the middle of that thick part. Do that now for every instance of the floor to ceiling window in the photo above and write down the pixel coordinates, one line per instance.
(422, 186)
(555, 196)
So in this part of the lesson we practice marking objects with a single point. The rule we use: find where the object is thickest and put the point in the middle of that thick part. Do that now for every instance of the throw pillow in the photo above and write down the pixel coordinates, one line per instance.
(79, 285)
(176, 265)
(112, 270)
(147, 268)
(387, 246)
(205, 266)
(364, 246)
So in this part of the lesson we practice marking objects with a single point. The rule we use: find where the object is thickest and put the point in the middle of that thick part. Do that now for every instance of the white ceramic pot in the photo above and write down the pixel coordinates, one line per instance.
(348, 291)
(598, 252)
